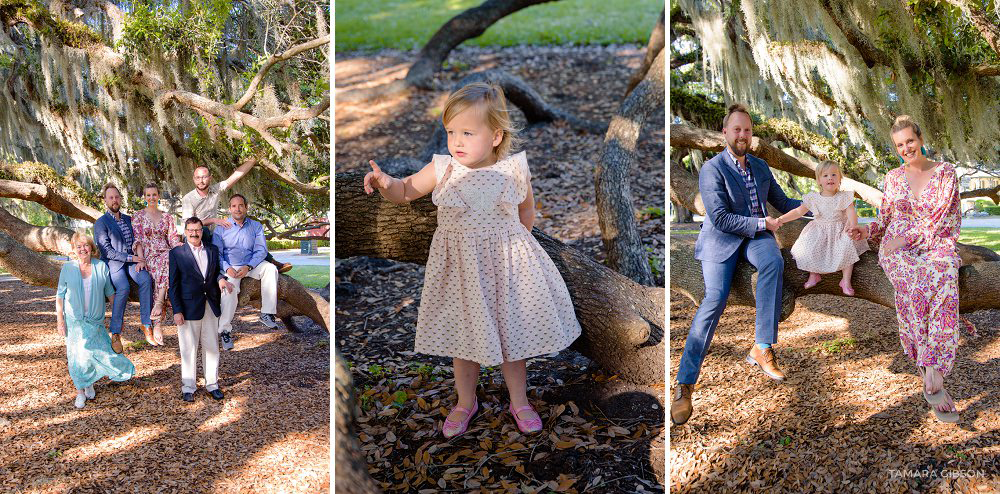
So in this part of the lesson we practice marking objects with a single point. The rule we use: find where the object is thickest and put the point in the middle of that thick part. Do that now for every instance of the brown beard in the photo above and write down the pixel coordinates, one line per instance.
(737, 152)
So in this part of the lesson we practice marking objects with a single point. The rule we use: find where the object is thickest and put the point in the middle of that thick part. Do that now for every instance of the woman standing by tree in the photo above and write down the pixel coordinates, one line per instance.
(155, 235)
(84, 284)
(918, 227)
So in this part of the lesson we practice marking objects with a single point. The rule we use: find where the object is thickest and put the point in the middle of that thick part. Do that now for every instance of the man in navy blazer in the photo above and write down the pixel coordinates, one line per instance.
(195, 291)
(735, 187)
(114, 237)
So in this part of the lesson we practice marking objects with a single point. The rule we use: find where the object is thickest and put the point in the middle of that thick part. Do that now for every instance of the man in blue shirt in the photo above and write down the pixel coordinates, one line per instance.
(242, 249)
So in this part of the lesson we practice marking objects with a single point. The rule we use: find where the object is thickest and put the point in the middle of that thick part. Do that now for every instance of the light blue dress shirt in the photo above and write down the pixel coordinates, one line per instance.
(240, 245)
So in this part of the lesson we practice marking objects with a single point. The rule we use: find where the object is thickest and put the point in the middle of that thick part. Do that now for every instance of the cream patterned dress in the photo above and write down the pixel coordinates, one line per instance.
(823, 247)
(491, 294)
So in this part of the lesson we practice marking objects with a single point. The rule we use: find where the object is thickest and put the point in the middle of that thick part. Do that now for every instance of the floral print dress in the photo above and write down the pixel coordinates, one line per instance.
(924, 272)
(156, 239)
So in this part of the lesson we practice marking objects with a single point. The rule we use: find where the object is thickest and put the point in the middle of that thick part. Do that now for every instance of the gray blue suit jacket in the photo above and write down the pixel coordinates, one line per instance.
(111, 242)
(728, 218)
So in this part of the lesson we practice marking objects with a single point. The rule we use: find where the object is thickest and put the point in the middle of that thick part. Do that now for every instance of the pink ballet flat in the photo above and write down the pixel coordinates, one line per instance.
(526, 426)
(811, 282)
(848, 290)
(452, 429)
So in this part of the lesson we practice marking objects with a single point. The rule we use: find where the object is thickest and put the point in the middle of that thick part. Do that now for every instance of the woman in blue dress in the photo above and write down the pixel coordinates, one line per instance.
(84, 287)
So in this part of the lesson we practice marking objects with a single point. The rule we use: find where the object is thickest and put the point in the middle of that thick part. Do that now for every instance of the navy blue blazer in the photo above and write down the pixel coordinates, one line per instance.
(189, 289)
(111, 242)
(728, 219)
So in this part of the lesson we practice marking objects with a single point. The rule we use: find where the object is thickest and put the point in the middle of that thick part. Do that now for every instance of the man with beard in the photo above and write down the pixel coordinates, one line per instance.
(735, 187)
(114, 237)
(203, 202)
(242, 249)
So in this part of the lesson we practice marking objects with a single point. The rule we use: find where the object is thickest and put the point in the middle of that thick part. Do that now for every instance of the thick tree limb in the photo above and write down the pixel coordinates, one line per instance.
(304, 188)
(37, 238)
(352, 470)
(468, 24)
(31, 267)
(49, 198)
(615, 210)
(653, 48)
(682, 60)
(622, 320)
(251, 89)
(869, 280)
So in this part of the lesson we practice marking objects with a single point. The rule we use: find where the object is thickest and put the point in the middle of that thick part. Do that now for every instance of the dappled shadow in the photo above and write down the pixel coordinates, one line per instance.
(140, 436)
(850, 416)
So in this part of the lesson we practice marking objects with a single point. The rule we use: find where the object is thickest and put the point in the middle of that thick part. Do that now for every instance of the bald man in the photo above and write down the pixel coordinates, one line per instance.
(203, 202)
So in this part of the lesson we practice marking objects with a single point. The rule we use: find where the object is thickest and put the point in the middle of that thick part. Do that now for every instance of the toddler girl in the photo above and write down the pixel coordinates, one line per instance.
(491, 294)
(824, 245)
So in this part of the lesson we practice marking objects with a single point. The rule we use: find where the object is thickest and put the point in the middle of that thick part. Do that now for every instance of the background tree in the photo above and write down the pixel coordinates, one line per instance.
(98, 91)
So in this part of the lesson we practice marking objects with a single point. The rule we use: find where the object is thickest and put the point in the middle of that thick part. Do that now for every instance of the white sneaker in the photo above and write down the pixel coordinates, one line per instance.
(81, 400)
(89, 392)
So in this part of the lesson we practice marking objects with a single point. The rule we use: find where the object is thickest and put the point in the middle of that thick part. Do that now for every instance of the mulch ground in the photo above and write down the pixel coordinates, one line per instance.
(404, 397)
(271, 433)
(850, 417)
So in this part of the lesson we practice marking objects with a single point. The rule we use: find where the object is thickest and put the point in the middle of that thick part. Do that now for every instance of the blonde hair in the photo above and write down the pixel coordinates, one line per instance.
(492, 99)
(903, 122)
(826, 165)
(81, 234)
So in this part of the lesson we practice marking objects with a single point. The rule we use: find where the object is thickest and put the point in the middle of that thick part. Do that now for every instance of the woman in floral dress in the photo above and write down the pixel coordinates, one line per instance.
(918, 227)
(155, 235)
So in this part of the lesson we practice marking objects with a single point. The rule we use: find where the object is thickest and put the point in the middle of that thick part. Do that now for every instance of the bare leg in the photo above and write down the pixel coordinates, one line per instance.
(466, 379)
(515, 375)
(845, 282)
(812, 281)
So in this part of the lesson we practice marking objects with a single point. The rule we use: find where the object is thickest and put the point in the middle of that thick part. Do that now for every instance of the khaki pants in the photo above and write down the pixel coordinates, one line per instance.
(189, 335)
(267, 273)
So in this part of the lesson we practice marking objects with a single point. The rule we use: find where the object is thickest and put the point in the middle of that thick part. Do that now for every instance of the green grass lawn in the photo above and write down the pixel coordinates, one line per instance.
(311, 276)
(408, 24)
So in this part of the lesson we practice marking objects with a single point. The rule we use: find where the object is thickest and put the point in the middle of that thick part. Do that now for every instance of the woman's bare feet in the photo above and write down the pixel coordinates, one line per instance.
(933, 380)
(845, 286)
(946, 411)
(812, 281)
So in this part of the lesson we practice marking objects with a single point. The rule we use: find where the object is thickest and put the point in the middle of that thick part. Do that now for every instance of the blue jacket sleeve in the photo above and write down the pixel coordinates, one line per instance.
(109, 289)
(712, 185)
(776, 196)
(174, 286)
(259, 246)
(102, 235)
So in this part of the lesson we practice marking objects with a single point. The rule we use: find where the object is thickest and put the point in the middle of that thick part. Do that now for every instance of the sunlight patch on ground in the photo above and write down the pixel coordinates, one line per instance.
(293, 458)
(128, 441)
(232, 410)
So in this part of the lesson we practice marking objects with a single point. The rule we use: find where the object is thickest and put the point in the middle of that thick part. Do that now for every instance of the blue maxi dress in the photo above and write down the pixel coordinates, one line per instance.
(88, 346)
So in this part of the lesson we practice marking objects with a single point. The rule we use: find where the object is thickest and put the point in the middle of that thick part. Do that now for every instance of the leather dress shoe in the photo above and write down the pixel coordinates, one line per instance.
(216, 394)
(767, 362)
(681, 408)
(116, 343)
(188, 397)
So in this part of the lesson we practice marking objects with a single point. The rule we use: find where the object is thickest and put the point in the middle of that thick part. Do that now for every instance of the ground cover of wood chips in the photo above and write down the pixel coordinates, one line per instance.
(850, 417)
(405, 397)
(271, 433)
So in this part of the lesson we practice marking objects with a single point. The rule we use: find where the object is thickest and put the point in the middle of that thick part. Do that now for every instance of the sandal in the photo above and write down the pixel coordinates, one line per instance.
(931, 398)
(529, 425)
(157, 334)
(949, 417)
(452, 428)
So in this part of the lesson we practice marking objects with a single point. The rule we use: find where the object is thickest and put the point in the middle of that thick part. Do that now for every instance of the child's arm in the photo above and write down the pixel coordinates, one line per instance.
(401, 191)
(526, 210)
(793, 214)
(852, 216)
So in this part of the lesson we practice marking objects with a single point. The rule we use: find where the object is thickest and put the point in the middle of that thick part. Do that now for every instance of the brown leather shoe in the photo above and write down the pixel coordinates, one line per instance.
(116, 343)
(286, 267)
(147, 332)
(681, 408)
(767, 362)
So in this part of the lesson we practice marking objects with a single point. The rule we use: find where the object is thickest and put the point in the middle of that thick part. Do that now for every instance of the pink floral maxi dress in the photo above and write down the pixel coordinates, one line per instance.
(156, 239)
(924, 272)
(491, 294)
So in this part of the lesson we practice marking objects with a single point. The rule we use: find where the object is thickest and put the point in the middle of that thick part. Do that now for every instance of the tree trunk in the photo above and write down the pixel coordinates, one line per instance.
(653, 49)
(622, 321)
(681, 214)
(613, 173)
(352, 469)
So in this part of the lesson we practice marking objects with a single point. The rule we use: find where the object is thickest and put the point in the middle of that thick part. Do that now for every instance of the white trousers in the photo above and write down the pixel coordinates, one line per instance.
(189, 335)
(267, 273)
